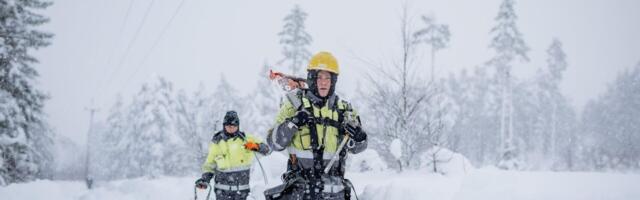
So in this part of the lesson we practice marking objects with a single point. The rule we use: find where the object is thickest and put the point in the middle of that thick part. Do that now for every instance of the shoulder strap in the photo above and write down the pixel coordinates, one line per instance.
(295, 98)
(317, 184)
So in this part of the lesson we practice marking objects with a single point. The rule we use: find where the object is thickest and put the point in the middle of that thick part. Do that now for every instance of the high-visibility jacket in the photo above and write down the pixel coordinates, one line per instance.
(329, 117)
(227, 152)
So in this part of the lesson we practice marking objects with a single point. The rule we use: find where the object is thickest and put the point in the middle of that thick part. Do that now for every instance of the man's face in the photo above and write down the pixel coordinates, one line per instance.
(324, 83)
(231, 128)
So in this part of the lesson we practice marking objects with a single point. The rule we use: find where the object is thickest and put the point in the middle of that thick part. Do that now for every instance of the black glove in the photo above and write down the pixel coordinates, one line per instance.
(355, 132)
(301, 118)
(202, 182)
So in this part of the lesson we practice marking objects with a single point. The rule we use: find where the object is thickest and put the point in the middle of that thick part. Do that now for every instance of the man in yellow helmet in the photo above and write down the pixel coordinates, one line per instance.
(310, 126)
(229, 160)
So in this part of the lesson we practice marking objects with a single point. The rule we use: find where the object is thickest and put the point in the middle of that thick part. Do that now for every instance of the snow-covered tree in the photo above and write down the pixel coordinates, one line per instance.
(436, 36)
(544, 119)
(145, 137)
(557, 64)
(149, 143)
(475, 108)
(109, 144)
(295, 41)
(67, 159)
(436, 156)
(25, 137)
(508, 44)
(556, 117)
(611, 124)
(193, 123)
(163, 132)
(399, 106)
(225, 98)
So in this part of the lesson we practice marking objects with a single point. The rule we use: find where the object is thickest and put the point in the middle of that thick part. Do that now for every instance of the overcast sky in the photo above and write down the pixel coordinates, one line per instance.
(96, 54)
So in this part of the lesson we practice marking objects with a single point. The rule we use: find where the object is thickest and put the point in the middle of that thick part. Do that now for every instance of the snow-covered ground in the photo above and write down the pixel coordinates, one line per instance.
(460, 182)
(478, 184)
(493, 184)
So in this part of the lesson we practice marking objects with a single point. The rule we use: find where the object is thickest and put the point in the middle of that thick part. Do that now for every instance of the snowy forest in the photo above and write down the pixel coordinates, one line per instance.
(414, 119)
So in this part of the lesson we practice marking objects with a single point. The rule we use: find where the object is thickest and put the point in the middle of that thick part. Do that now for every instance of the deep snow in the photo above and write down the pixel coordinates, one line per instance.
(486, 183)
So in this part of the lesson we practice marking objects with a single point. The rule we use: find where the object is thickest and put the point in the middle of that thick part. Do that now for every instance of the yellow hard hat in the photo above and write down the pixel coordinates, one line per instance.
(324, 61)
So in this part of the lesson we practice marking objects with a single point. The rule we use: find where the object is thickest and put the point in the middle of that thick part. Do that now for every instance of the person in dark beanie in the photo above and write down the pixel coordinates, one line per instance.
(229, 160)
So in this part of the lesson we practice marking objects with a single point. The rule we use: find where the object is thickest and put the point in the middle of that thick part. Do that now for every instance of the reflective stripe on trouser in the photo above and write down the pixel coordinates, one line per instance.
(332, 188)
(231, 187)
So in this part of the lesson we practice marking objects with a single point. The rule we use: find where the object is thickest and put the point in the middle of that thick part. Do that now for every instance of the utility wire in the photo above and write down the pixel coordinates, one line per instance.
(129, 45)
(155, 43)
(121, 30)
(115, 45)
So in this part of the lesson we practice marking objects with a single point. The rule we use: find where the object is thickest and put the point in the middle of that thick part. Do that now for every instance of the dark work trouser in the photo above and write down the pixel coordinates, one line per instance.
(231, 195)
(232, 179)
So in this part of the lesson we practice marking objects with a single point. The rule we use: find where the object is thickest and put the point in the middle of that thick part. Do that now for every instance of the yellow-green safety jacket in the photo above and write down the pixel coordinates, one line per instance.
(296, 140)
(229, 160)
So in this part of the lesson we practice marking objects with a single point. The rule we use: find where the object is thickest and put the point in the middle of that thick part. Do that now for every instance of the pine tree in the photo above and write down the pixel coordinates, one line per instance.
(557, 64)
(160, 132)
(202, 104)
(544, 119)
(152, 147)
(109, 144)
(611, 124)
(436, 36)
(25, 138)
(192, 124)
(226, 98)
(473, 132)
(295, 41)
(508, 44)
(556, 61)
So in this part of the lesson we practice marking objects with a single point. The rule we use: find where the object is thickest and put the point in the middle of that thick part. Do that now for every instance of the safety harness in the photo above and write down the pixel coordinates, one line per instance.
(313, 176)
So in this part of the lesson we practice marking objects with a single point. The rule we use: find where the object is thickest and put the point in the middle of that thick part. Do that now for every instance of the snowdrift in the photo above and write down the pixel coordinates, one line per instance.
(455, 180)
(489, 184)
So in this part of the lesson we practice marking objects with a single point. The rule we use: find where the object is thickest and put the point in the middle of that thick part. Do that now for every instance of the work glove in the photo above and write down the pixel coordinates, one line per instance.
(202, 182)
(353, 128)
(252, 146)
(355, 132)
(301, 118)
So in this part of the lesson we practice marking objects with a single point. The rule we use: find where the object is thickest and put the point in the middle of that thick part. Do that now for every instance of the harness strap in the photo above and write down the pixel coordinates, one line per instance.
(316, 187)
(300, 102)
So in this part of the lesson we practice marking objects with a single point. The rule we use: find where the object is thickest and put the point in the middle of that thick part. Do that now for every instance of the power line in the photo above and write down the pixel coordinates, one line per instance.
(164, 29)
(124, 23)
(129, 45)
(115, 44)
(155, 43)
